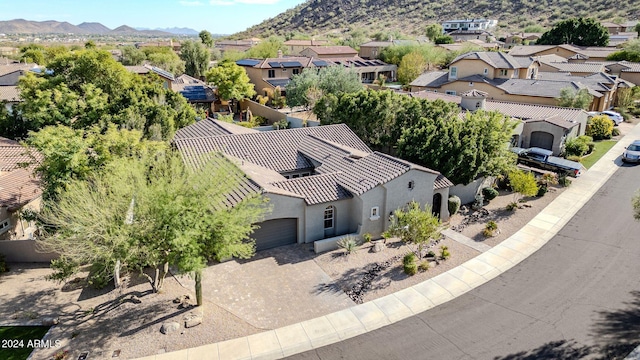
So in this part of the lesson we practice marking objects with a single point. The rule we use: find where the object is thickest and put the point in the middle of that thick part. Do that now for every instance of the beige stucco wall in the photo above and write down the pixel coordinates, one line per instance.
(557, 132)
(633, 77)
(370, 52)
(19, 228)
(467, 67)
(556, 51)
(25, 251)
(260, 110)
(342, 221)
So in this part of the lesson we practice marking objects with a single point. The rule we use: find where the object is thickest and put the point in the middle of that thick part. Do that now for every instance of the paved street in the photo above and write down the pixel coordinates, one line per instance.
(577, 297)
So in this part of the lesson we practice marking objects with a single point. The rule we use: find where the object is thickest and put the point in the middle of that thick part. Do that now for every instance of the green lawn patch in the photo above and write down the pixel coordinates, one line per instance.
(14, 341)
(601, 148)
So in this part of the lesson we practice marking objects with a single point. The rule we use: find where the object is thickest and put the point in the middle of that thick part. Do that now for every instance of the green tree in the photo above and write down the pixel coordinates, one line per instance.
(630, 52)
(599, 127)
(266, 49)
(132, 56)
(576, 31)
(637, 28)
(87, 88)
(433, 31)
(533, 29)
(443, 39)
(579, 100)
(67, 154)
(33, 55)
(232, 81)
(170, 62)
(523, 184)
(206, 38)
(411, 66)
(416, 226)
(160, 213)
(355, 37)
(196, 58)
(303, 89)
(90, 44)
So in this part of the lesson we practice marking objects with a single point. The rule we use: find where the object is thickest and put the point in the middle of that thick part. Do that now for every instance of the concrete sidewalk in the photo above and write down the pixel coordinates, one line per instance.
(372, 315)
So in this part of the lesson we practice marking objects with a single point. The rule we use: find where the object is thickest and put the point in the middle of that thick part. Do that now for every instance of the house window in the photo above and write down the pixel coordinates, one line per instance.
(286, 176)
(272, 74)
(305, 174)
(453, 72)
(328, 217)
(470, 83)
(503, 72)
(296, 71)
(486, 71)
(284, 70)
(375, 213)
(295, 176)
(411, 185)
(516, 72)
(4, 226)
(450, 92)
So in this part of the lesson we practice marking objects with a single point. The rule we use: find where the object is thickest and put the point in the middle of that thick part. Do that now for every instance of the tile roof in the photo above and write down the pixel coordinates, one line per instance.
(577, 67)
(210, 127)
(9, 93)
(137, 69)
(498, 60)
(275, 150)
(343, 165)
(330, 50)
(558, 121)
(316, 189)
(377, 44)
(294, 42)
(541, 88)
(13, 67)
(431, 79)
(12, 156)
(442, 182)
(18, 188)
(7, 142)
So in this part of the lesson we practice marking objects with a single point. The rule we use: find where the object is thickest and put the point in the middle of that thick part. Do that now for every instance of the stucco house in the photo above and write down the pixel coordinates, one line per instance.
(547, 127)
(373, 49)
(197, 92)
(19, 189)
(322, 182)
(329, 52)
(507, 78)
(468, 24)
(566, 51)
(520, 38)
(294, 46)
(628, 71)
(466, 35)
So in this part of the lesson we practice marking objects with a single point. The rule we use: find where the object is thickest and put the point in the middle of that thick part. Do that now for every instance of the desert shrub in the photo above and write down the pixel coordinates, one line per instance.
(575, 158)
(454, 204)
(492, 225)
(366, 237)
(349, 244)
(99, 275)
(564, 180)
(63, 269)
(3, 264)
(444, 252)
(548, 179)
(576, 147)
(600, 127)
(431, 254)
(424, 266)
(542, 189)
(487, 233)
(614, 132)
(224, 117)
(489, 193)
(409, 258)
(512, 206)
(387, 235)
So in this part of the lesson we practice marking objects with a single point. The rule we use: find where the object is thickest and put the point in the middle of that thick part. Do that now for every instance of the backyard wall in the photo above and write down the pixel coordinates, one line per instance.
(24, 251)
(260, 110)
(467, 193)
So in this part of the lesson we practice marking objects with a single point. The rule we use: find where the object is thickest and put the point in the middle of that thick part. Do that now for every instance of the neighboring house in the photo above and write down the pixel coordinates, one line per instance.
(236, 45)
(197, 92)
(166, 77)
(466, 35)
(273, 72)
(622, 37)
(11, 72)
(373, 49)
(627, 71)
(576, 69)
(329, 52)
(629, 26)
(19, 189)
(468, 24)
(9, 95)
(612, 28)
(521, 38)
(546, 127)
(294, 47)
(566, 51)
(321, 182)
(518, 80)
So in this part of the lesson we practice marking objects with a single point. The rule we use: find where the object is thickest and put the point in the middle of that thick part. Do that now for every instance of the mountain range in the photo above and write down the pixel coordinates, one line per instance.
(21, 26)
(411, 16)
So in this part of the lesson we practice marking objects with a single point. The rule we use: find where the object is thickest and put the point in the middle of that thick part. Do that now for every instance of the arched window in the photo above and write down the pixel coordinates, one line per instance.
(328, 217)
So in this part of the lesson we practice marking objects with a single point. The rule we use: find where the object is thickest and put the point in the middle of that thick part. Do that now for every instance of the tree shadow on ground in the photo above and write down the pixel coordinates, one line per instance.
(283, 255)
(561, 349)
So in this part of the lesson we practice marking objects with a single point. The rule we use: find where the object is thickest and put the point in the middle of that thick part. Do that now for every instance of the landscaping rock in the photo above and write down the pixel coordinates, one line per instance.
(168, 328)
(49, 321)
(192, 320)
(378, 245)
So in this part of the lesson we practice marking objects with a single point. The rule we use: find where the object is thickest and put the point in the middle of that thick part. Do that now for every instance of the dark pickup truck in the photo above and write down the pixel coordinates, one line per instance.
(543, 159)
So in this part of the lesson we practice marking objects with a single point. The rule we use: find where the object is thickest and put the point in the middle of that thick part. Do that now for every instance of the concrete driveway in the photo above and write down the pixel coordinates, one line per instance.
(275, 288)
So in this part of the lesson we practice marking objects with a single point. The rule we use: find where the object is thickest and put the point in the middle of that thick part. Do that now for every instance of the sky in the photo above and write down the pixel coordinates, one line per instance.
(216, 16)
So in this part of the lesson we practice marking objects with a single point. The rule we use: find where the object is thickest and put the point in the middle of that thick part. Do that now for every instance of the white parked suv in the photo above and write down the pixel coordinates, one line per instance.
(614, 116)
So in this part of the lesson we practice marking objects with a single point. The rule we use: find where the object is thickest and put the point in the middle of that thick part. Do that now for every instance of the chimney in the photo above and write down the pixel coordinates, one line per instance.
(473, 100)
(279, 54)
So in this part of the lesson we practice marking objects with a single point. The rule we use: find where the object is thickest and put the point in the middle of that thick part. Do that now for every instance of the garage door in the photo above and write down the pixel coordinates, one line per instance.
(274, 233)
(541, 139)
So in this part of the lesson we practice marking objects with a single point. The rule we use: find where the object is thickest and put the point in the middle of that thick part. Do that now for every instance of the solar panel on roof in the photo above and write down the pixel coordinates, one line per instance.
(320, 63)
(291, 64)
(247, 62)
(164, 73)
(274, 64)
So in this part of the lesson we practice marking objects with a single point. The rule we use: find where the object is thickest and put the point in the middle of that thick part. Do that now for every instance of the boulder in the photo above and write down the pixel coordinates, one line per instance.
(168, 328)
(192, 320)
(49, 321)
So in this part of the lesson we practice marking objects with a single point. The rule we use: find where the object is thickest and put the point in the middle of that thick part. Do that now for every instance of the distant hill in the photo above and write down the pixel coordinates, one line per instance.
(21, 26)
(94, 28)
(175, 30)
(411, 16)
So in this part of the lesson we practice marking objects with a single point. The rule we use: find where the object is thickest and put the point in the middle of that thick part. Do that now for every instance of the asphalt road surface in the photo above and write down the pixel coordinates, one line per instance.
(576, 298)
